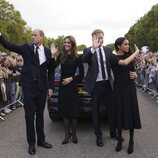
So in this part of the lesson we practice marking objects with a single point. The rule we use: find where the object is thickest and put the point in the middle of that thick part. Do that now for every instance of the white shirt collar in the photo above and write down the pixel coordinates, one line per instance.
(41, 47)
(100, 48)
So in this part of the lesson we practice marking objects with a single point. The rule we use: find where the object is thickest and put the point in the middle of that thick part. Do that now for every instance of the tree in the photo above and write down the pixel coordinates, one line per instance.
(111, 45)
(145, 30)
(12, 26)
(81, 47)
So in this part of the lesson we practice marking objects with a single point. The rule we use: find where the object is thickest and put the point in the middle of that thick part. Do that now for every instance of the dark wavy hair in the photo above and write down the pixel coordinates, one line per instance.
(119, 41)
(73, 54)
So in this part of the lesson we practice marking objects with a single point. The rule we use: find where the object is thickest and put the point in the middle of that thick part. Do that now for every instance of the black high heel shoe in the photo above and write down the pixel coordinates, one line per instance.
(130, 147)
(119, 146)
(74, 138)
(67, 138)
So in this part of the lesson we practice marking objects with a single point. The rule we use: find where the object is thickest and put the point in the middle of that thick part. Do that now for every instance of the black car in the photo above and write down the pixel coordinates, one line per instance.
(84, 100)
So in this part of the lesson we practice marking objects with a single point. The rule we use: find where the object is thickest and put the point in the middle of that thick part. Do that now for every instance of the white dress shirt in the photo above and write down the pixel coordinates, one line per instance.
(42, 57)
(99, 77)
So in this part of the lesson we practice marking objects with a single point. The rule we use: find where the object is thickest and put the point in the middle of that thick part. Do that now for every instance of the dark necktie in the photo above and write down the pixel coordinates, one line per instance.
(37, 56)
(102, 64)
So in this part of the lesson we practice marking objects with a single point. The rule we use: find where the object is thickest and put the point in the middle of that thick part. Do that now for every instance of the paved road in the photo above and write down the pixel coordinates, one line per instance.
(13, 143)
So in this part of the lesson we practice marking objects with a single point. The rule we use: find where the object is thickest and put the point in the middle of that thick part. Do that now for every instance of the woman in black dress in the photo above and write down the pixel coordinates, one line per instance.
(126, 111)
(68, 96)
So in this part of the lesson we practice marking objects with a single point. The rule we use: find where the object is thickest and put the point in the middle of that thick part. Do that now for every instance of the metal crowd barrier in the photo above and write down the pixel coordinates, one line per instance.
(146, 88)
(7, 104)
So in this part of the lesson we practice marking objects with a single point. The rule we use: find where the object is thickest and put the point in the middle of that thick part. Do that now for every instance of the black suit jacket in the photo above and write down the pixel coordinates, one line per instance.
(31, 71)
(93, 69)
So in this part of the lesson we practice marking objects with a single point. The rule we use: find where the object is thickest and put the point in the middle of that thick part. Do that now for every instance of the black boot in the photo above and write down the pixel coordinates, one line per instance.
(131, 142)
(74, 124)
(120, 140)
(67, 130)
(67, 138)
(130, 147)
(119, 146)
(74, 138)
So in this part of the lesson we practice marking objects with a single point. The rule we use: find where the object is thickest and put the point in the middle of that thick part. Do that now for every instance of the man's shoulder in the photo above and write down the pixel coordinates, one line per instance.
(46, 48)
(107, 47)
(47, 51)
(87, 49)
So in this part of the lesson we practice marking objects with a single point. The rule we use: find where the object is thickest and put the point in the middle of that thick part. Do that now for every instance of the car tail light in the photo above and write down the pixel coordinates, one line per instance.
(56, 82)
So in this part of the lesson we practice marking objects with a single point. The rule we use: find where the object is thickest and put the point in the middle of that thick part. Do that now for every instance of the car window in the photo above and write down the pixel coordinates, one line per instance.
(57, 72)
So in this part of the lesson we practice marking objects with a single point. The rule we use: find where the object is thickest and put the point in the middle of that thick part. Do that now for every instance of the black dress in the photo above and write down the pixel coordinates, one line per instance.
(126, 110)
(68, 95)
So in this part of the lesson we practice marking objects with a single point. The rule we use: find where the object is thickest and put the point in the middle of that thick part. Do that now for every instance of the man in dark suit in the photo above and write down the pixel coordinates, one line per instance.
(98, 80)
(36, 77)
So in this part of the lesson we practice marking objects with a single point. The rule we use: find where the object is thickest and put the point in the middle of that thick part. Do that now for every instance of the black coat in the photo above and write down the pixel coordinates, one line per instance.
(93, 69)
(31, 70)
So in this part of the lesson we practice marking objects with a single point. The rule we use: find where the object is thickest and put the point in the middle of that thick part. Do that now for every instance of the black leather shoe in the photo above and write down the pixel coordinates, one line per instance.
(130, 147)
(99, 142)
(31, 150)
(44, 145)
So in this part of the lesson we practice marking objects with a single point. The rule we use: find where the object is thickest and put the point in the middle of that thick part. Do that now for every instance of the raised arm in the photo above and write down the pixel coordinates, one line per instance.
(130, 58)
(10, 46)
(88, 52)
(54, 54)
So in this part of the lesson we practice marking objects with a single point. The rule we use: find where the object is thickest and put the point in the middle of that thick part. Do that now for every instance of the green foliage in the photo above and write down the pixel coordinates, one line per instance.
(15, 29)
(81, 47)
(58, 42)
(111, 45)
(12, 26)
(145, 30)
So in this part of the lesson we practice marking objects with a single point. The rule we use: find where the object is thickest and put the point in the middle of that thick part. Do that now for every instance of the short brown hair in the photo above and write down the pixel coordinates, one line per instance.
(41, 33)
(97, 31)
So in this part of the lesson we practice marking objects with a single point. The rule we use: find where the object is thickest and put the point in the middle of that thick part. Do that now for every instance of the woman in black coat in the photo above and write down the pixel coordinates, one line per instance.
(68, 95)
(126, 111)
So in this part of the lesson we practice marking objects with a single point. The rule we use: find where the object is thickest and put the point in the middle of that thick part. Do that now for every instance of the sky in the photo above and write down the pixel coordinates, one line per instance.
(80, 17)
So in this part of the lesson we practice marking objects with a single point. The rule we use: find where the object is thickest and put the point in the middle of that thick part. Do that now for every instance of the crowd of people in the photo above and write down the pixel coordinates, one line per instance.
(10, 92)
(147, 71)
(35, 65)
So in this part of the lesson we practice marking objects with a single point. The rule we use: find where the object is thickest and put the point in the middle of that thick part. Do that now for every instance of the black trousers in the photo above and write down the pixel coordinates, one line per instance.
(102, 93)
(34, 104)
